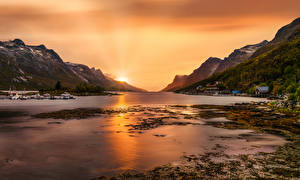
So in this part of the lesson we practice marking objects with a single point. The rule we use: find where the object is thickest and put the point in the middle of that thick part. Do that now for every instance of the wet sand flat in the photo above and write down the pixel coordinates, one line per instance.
(137, 137)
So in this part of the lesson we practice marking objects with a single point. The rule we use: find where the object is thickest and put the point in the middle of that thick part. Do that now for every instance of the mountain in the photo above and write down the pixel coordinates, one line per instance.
(36, 67)
(96, 77)
(239, 55)
(279, 67)
(32, 66)
(204, 71)
(214, 65)
(284, 34)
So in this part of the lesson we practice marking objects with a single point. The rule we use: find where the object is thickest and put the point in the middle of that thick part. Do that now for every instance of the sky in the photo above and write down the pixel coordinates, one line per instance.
(147, 42)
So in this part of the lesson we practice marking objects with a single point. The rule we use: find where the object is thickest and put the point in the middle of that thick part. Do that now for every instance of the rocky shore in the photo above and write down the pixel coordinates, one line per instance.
(80, 113)
(261, 117)
(284, 163)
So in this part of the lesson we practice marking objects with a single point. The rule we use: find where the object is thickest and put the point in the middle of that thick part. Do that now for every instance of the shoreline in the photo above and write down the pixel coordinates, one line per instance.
(214, 163)
(47, 95)
(283, 163)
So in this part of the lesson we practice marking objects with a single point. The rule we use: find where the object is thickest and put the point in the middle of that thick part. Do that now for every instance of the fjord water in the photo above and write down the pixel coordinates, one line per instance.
(79, 149)
(126, 99)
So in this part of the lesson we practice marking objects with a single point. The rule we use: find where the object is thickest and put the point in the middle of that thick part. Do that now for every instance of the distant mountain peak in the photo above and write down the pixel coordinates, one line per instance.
(286, 33)
(263, 61)
(18, 42)
(214, 65)
(212, 59)
(36, 67)
(289, 31)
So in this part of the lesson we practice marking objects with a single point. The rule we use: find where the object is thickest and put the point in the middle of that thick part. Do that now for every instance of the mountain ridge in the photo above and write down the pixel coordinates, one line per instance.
(284, 34)
(214, 65)
(36, 67)
(278, 67)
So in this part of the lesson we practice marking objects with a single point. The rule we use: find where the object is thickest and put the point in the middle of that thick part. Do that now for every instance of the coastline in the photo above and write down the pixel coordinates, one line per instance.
(138, 121)
(283, 163)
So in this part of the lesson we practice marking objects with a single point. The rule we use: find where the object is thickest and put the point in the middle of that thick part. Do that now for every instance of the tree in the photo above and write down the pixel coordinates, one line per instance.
(58, 85)
(275, 88)
(291, 88)
(221, 86)
(84, 88)
(297, 93)
(262, 84)
(251, 90)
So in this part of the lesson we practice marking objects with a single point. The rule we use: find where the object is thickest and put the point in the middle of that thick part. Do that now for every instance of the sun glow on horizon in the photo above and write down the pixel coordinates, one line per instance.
(123, 79)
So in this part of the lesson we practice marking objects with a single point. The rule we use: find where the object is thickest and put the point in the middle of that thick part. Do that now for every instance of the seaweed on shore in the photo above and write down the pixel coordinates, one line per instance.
(10, 114)
(80, 113)
(9, 117)
(254, 116)
(284, 163)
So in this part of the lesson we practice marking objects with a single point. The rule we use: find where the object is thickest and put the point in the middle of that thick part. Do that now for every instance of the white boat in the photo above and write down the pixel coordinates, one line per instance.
(22, 97)
(216, 94)
(66, 95)
(47, 96)
(15, 97)
(37, 96)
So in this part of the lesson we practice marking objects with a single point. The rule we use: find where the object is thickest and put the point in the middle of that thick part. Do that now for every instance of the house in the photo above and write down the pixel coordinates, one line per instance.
(226, 91)
(262, 91)
(212, 88)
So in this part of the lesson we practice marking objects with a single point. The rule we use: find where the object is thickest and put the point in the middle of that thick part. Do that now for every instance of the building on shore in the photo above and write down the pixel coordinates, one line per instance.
(236, 92)
(262, 91)
(212, 88)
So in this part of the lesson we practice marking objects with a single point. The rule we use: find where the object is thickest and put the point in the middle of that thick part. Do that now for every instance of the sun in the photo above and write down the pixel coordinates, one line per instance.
(122, 79)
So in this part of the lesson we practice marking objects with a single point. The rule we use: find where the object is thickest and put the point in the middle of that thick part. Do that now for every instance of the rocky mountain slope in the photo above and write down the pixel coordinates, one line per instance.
(204, 71)
(278, 68)
(284, 34)
(96, 77)
(36, 67)
(214, 65)
(239, 55)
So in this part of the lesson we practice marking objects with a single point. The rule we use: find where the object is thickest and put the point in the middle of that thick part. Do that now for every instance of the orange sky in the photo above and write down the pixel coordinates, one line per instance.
(147, 41)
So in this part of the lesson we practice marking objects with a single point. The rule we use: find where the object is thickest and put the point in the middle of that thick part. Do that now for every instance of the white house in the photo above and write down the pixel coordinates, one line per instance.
(260, 90)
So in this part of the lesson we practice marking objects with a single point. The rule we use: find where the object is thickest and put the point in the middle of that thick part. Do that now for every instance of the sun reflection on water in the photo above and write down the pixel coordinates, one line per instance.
(123, 145)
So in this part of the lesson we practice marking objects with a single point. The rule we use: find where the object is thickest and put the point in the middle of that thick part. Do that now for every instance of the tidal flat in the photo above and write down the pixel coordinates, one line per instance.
(218, 162)
(80, 140)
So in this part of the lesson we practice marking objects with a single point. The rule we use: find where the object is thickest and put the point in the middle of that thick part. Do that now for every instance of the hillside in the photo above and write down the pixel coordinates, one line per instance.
(284, 34)
(204, 71)
(36, 67)
(278, 68)
(239, 55)
(275, 64)
(214, 65)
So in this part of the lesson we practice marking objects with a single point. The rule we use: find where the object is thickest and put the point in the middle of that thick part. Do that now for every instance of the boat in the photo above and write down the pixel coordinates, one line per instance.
(66, 95)
(37, 96)
(23, 97)
(15, 97)
(46, 96)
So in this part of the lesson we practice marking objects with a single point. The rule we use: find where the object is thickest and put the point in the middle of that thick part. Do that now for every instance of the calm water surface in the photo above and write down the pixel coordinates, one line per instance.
(79, 149)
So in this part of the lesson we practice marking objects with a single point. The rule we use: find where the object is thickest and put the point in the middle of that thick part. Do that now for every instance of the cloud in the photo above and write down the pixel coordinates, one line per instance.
(106, 15)
(203, 15)
(205, 8)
